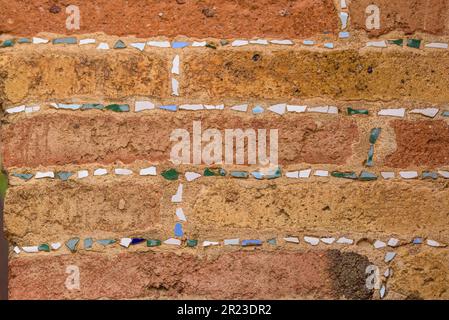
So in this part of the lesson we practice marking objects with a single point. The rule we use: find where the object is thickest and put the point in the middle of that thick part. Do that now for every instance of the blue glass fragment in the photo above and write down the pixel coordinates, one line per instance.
(258, 110)
(429, 175)
(246, 243)
(69, 40)
(170, 107)
(179, 44)
(258, 175)
(137, 240)
(88, 243)
(178, 230)
(68, 106)
(7, 43)
(24, 40)
(418, 241)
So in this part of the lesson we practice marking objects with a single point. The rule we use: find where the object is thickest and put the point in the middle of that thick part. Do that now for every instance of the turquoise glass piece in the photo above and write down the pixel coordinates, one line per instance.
(44, 247)
(24, 40)
(344, 175)
(414, 43)
(119, 45)
(69, 40)
(64, 175)
(429, 175)
(72, 244)
(23, 176)
(367, 176)
(239, 174)
(106, 242)
(272, 241)
(88, 242)
(374, 135)
(7, 43)
(369, 161)
(170, 107)
(192, 243)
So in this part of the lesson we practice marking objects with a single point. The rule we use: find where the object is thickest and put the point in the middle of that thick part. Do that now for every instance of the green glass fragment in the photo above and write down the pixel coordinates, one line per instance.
(72, 244)
(170, 174)
(192, 243)
(374, 135)
(153, 243)
(3, 184)
(414, 43)
(367, 176)
(398, 42)
(118, 107)
(369, 161)
(44, 247)
(211, 172)
(119, 45)
(344, 175)
(352, 112)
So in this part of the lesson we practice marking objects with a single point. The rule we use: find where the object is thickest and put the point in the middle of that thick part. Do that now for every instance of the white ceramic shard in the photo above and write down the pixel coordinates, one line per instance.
(332, 110)
(259, 41)
(175, 87)
(177, 198)
(387, 175)
(39, 40)
(344, 19)
(192, 107)
(100, 172)
(408, 174)
(321, 173)
(304, 174)
(382, 291)
(138, 45)
(323, 109)
(125, 242)
(292, 239)
(278, 108)
(46, 174)
(387, 273)
(282, 42)
(123, 172)
(159, 44)
(241, 108)
(32, 249)
(433, 243)
(143, 105)
(32, 109)
(87, 41)
(377, 44)
(17, 250)
(437, 45)
(444, 174)
(232, 242)
(379, 244)
(312, 240)
(180, 214)
(103, 46)
(428, 112)
(190, 176)
(175, 65)
(150, 171)
(214, 107)
(173, 241)
(199, 44)
(210, 243)
(298, 109)
(82, 174)
(328, 240)
(343, 4)
(292, 174)
(344, 240)
(56, 245)
(400, 112)
(389, 256)
(393, 242)
(239, 43)
(16, 109)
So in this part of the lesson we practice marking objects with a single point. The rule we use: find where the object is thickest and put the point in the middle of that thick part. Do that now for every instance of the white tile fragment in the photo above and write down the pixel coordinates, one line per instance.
(323, 109)
(173, 241)
(328, 240)
(343, 4)
(177, 198)
(239, 43)
(292, 239)
(428, 112)
(175, 65)
(100, 172)
(123, 172)
(400, 112)
(321, 173)
(278, 108)
(82, 174)
(344, 19)
(150, 171)
(159, 44)
(199, 44)
(241, 108)
(382, 291)
(393, 242)
(433, 243)
(282, 42)
(175, 87)
(56, 245)
(387, 273)
(377, 44)
(143, 105)
(17, 250)
(444, 174)
(180, 214)
(437, 45)
(332, 110)
(32, 249)
(312, 240)
(190, 176)
(214, 107)
(232, 242)
(387, 175)
(344, 240)
(125, 242)
(39, 40)
(259, 41)
(308, 42)
(408, 174)
(103, 46)
(32, 109)
(389, 256)
(87, 41)
(292, 174)
(192, 107)
(16, 109)
(304, 174)
(138, 45)
(46, 174)
(298, 109)
(210, 243)
(379, 244)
